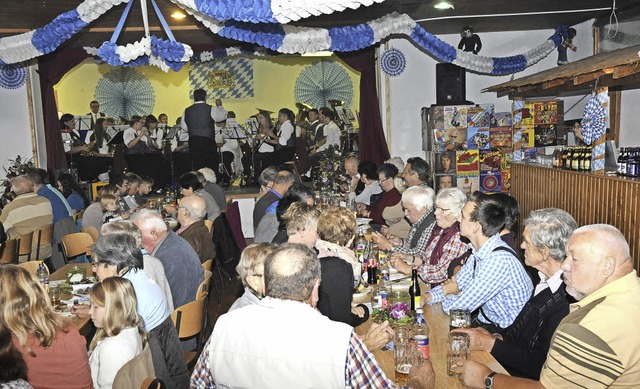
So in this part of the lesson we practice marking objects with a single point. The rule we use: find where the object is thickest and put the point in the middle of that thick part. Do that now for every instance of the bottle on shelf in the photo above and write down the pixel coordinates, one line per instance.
(565, 153)
(420, 333)
(622, 167)
(634, 162)
(414, 290)
(43, 275)
(581, 156)
(587, 159)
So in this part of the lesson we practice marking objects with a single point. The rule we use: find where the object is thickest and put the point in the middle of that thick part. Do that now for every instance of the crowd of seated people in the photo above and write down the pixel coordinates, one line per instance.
(300, 275)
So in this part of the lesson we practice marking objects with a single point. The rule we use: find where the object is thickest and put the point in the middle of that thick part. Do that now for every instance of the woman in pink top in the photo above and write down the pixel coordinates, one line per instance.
(54, 351)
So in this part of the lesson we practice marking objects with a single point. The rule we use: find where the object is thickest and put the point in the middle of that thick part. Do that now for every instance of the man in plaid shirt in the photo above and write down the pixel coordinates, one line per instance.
(492, 280)
(284, 342)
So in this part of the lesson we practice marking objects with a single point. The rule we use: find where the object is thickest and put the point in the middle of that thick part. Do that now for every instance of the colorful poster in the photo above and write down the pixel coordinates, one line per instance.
(491, 182)
(506, 181)
(544, 135)
(468, 162)
(477, 138)
(479, 115)
(455, 139)
(529, 154)
(545, 113)
(523, 138)
(446, 162)
(500, 137)
(469, 184)
(527, 114)
(506, 159)
(490, 161)
(501, 119)
(445, 181)
(455, 116)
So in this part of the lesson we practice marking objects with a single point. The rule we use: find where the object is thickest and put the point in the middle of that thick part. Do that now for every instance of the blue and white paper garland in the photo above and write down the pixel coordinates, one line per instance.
(13, 76)
(393, 62)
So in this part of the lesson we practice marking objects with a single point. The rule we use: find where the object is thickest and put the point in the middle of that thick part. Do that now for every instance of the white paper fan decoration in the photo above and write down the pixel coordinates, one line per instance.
(321, 82)
(125, 92)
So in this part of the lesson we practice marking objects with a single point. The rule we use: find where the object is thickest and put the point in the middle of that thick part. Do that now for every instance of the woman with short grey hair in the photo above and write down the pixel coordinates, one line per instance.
(444, 245)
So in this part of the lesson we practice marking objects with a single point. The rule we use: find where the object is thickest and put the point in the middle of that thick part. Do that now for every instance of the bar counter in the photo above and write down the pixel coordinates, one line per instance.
(590, 197)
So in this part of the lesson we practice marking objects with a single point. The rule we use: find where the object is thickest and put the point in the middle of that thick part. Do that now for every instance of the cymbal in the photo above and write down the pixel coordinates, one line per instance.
(265, 111)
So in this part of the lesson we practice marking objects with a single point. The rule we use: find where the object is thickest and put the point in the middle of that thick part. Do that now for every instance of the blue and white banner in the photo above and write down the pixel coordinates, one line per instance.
(229, 78)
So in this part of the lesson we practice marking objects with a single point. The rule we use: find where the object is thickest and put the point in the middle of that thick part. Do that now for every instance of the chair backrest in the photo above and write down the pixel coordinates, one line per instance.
(233, 217)
(43, 237)
(91, 230)
(208, 264)
(9, 252)
(134, 373)
(26, 244)
(31, 266)
(189, 318)
(76, 244)
(153, 383)
(209, 224)
(203, 289)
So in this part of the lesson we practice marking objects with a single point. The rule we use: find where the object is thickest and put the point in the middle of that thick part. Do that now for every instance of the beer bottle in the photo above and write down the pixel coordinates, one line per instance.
(581, 156)
(587, 160)
(373, 265)
(421, 333)
(414, 291)
(575, 161)
(565, 153)
(635, 163)
(621, 167)
(628, 159)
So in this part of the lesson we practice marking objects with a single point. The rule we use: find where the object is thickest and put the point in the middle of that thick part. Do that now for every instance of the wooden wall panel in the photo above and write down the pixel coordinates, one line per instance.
(590, 198)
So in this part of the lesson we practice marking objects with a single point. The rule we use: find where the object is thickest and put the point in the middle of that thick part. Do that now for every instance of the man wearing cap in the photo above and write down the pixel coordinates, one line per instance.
(199, 120)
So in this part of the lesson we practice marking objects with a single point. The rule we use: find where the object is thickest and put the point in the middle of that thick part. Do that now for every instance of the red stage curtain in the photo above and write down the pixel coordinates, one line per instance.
(51, 68)
(373, 146)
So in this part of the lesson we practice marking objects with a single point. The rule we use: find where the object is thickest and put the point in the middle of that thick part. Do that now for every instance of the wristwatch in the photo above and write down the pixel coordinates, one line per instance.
(488, 380)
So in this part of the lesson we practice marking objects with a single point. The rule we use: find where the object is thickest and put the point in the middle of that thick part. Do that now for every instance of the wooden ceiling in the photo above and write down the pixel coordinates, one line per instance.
(24, 15)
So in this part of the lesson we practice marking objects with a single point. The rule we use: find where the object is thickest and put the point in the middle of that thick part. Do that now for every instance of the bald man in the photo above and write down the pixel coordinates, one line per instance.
(26, 213)
(191, 213)
(596, 345)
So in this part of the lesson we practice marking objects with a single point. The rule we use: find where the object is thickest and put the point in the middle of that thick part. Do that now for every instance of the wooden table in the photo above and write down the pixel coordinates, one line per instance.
(85, 326)
(438, 322)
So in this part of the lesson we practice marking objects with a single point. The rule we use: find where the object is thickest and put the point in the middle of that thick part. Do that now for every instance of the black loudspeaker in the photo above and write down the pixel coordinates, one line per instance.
(450, 84)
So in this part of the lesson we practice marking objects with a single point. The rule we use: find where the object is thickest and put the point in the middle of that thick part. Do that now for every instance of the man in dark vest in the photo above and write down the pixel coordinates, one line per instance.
(95, 113)
(198, 120)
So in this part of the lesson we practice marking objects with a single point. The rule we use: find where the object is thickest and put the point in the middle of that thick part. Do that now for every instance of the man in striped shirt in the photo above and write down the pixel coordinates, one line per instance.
(597, 345)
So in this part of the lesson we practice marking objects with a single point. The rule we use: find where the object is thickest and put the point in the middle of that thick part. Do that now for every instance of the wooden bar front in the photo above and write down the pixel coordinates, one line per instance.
(589, 198)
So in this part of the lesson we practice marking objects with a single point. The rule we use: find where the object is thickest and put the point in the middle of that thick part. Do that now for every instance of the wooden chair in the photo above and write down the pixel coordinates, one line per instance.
(153, 383)
(189, 320)
(43, 237)
(91, 230)
(208, 264)
(209, 224)
(134, 373)
(31, 266)
(9, 252)
(26, 245)
(203, 289)
(75, 244)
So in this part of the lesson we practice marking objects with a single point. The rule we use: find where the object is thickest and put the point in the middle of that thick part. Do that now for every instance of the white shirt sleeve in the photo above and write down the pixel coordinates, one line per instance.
(286, 130)
(128, 136)
(183, 124)
(66, 141)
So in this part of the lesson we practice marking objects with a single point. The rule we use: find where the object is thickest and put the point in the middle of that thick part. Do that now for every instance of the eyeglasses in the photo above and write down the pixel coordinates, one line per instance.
(442, 210)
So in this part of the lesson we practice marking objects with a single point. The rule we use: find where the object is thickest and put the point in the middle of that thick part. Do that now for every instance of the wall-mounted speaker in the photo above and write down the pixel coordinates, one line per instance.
(450, 84)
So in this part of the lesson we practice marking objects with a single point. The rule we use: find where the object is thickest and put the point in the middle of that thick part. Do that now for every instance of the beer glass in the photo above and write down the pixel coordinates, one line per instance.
(406, 355)
(457, 349)
(459, 318)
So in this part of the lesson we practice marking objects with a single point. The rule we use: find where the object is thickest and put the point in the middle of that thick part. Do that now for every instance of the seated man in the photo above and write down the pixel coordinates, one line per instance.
(390, 195)
(181, 263)
(26, 213)
(276, 353)
(268, 202)
(522, 348)
(191, 213)
(492, 281)
(596, 345)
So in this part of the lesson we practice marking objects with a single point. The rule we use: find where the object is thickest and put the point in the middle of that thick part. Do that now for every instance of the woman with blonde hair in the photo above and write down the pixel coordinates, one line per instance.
(336, 230)
(48, 344)
(302, 223)
(120, 336)
(251, 272)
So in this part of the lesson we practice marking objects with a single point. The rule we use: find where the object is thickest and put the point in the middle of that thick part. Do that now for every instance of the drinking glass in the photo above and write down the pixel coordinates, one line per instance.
(457, 349)
(406, 355)
(459, 318)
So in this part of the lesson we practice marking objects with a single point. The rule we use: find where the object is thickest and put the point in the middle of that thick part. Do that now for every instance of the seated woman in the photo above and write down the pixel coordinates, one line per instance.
(13, 374)
(391, 196)
(339, 267)
(302, 223)
(444, 244)
(284, 141)
(272, 227)
(368, 176)
(72, 191)
(189, 184)
(93, 214)
(251, 270)
(48, 344)
(120, 335)
(101, 138)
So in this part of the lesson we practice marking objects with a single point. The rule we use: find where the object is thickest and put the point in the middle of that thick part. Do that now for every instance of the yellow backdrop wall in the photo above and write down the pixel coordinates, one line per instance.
(274, 82)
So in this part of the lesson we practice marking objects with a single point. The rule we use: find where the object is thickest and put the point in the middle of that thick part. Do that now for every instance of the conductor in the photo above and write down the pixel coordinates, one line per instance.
(199, 120)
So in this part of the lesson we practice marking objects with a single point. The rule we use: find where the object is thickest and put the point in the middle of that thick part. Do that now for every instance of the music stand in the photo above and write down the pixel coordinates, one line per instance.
(117, 139)
(171, 133)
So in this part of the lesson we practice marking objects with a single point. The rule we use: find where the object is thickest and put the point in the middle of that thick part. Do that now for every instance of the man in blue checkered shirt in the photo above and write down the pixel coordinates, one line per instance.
(492, 282)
